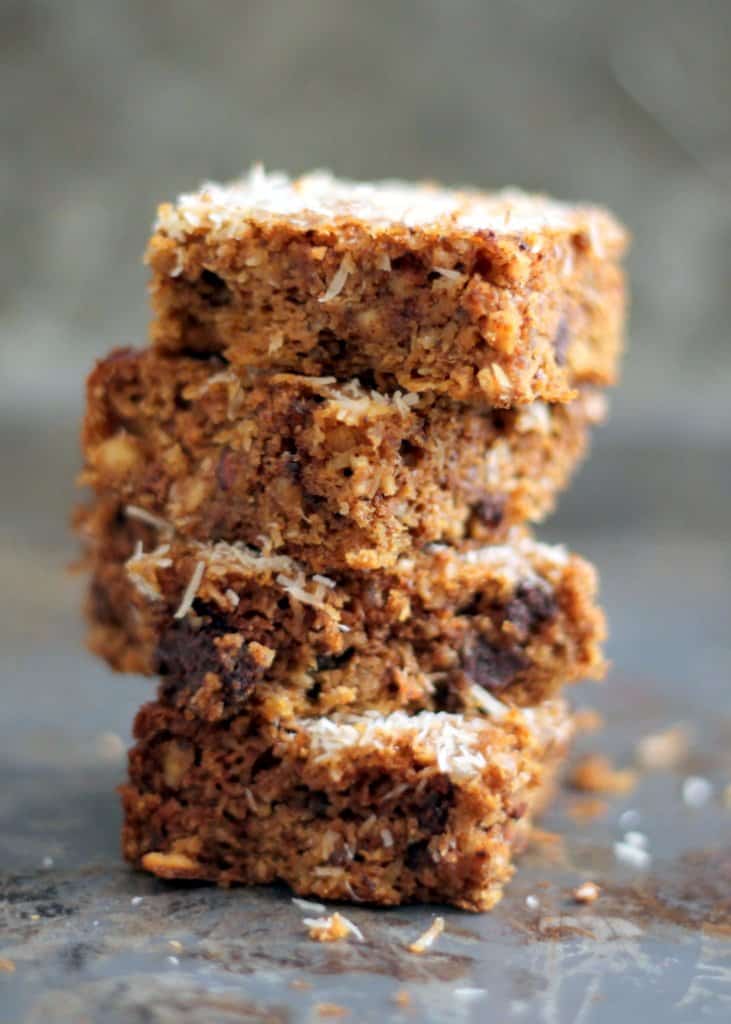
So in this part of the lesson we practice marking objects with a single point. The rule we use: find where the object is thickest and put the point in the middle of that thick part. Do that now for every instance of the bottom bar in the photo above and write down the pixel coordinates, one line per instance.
(379, 809)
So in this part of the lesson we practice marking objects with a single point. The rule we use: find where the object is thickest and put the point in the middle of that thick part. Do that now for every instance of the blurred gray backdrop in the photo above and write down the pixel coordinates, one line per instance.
(111, 107)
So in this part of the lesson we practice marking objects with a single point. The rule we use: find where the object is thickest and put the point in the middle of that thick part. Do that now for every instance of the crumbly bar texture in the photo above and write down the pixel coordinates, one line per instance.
(336, 474)
(502, 297)
(378, 809)
(228, 627)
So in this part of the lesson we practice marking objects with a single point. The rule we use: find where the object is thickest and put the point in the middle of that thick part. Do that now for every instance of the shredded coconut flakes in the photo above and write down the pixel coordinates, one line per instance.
(149, 518)
(428, 938)
(308, 906)
(347, 266)
(332, 928)
(191, 590)
(453, 740)
(487, 702)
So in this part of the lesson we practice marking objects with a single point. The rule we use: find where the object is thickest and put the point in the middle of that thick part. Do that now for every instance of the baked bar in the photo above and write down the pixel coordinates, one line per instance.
(226, 626)
(379, 809)
(504, 298)
(336, 474)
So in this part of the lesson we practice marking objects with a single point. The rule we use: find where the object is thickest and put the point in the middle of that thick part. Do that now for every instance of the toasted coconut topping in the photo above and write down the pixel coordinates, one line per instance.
(318, 199)
(223, 558)
(453, 740)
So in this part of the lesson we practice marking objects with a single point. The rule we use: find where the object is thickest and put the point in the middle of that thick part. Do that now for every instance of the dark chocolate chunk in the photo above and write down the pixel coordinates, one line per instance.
(433, 813)
(327, 662)
(417, 855)
(185, 655)
(530, 607)
(318, 802)
(491, 510)
(266, 761)
(493, 667)
(213, 289)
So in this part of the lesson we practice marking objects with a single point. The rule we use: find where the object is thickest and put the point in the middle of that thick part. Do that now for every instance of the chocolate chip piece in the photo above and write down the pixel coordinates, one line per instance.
(561, 341)
(327, 662)
(340, 857)
(530, 607)
(186, 655)
(265, 762)
(492, 667)
(434, 811)
(491, 510)
(318, 802)
(417, 855)
(213, 289)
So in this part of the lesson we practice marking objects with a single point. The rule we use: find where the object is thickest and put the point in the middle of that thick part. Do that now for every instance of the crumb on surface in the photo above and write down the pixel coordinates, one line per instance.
(587, 808)
(632, 856)
(169, 865)
(428, 938)
(588, 720)
(332, 928)
(402, 998)
(109, 746)
(332, 1010)
(663, 749)
(300, 985)
(7, 966)
(595, 773)
(545, 838)
(697, 791)
(587, 892)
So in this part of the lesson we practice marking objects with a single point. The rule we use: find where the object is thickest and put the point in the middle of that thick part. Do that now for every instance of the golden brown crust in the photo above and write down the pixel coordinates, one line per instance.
(437, 631)
(335, 474)
(381, 810)
(519, 299)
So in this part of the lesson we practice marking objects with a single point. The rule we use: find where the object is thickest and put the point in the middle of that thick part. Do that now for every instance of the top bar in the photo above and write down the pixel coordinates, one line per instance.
(503, 297)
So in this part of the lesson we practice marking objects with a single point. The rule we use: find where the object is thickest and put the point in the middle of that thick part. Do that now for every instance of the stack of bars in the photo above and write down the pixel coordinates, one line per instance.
(310, 498)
